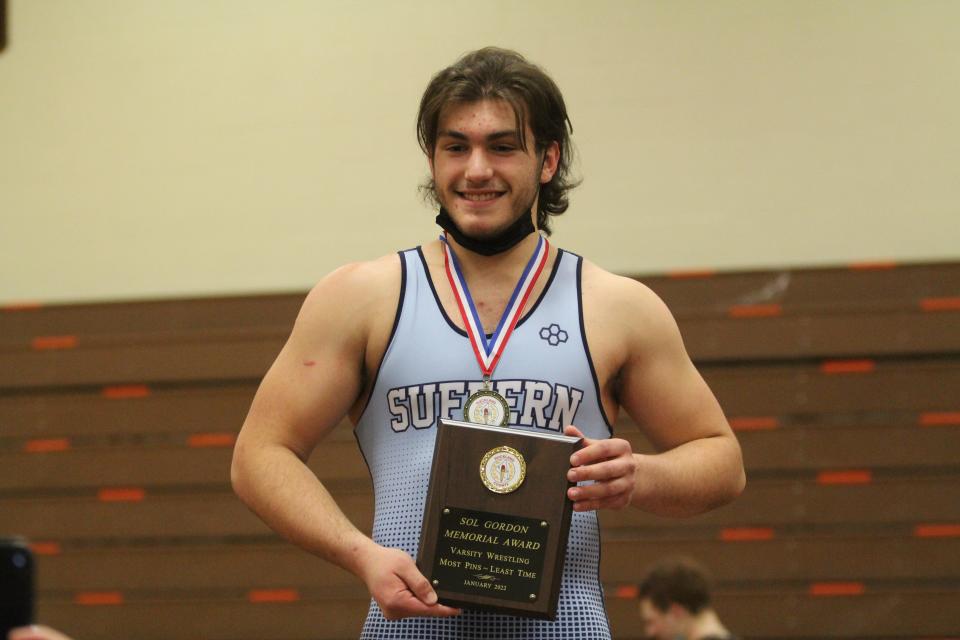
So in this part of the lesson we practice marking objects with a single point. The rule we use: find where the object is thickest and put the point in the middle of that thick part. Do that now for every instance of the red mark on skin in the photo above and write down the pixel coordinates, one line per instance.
(309, 363)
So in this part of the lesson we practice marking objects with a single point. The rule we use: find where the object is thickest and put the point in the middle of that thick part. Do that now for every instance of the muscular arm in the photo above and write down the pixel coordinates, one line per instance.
(645, 368)
(317, 378)
(306, 392)
(700, 465)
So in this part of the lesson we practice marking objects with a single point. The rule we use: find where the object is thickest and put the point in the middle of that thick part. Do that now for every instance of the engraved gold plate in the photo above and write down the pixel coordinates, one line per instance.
(503, 469)
(487, 407)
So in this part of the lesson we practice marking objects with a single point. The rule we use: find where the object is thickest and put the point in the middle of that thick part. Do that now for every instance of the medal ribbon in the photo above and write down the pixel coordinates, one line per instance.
(488, 352)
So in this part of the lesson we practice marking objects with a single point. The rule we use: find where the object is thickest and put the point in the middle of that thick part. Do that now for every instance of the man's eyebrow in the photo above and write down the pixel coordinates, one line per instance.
(448, 133)
(496, 135)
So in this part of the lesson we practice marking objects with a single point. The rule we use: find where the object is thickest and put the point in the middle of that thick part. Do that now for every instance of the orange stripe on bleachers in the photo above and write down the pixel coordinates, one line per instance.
(754, 423)
(46, 445)
(53, 343)
(626, 592)
(746, 534)
(204, 440)
(937, 531)
(24, 305)
(121, 494)
(98, 598)
(847, 366)
(874, 265)
(837, 589)
(45, 548)
(692, 273)
(120, 392)
(755, 311)
(939, 418)
(851, 476)
(940, 304)
(273, 595)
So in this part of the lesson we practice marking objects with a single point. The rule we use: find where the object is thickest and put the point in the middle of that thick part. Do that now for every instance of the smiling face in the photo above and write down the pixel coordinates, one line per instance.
(483, 176)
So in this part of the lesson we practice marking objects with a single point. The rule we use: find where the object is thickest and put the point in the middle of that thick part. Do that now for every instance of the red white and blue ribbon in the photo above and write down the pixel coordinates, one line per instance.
(488, 351)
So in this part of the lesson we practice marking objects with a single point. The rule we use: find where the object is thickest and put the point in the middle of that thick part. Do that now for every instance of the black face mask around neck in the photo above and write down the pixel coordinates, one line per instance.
(506, 239)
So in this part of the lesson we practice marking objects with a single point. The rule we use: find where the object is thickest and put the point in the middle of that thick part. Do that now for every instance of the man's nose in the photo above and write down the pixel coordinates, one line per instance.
(478, 167)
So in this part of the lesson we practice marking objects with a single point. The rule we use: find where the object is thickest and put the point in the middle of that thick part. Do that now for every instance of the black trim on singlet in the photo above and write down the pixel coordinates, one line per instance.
(436, 297)
(586, 347)
(527, 314)
(603, 595)
(393, 332)
(546, 288)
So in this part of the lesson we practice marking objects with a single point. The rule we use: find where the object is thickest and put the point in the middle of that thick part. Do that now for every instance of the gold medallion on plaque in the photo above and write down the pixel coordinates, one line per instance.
(503, 469)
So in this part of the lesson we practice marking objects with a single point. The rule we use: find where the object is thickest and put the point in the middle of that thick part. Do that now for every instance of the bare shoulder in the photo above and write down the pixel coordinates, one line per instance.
(354, 288)
(352, 306)
(628, 306)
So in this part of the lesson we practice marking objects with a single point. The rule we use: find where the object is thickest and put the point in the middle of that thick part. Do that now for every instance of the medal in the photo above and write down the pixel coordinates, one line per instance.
(503, 469)
(487, 406)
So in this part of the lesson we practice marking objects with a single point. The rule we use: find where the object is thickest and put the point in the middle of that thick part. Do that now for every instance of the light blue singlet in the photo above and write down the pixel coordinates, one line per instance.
(427, 373)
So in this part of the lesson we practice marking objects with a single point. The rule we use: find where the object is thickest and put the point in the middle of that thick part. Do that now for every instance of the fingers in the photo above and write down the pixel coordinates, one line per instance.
(609, 469)
(571, 430)
(409, 606)
(417, 583)
(621, 467)
(612, 492)
(443, 611)
(402, 591)
(599, 450)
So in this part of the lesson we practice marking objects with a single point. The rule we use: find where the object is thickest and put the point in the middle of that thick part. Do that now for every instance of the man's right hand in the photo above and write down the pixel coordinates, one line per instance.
(399, 588)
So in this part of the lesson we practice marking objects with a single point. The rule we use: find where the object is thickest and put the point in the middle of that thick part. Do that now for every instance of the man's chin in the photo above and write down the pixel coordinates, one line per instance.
(472, 224)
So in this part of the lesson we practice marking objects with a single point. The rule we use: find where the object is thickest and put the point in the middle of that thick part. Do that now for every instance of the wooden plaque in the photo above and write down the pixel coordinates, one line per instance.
(496, 519)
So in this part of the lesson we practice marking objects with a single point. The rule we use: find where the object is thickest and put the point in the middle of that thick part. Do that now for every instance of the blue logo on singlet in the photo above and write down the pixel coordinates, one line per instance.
(553, 335)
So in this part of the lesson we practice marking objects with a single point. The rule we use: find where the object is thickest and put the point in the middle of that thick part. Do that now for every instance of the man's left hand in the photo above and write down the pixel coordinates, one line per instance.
(612, 467)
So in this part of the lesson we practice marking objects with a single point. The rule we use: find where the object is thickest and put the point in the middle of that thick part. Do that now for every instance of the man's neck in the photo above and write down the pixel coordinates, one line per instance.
(507, 264)
(706, 624)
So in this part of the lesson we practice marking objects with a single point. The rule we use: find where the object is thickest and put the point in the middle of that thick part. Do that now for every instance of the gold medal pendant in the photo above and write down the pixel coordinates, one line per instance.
(487, 407)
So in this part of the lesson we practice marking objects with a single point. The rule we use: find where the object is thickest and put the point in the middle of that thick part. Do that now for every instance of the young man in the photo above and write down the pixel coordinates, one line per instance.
(675, 603)
(393, 344)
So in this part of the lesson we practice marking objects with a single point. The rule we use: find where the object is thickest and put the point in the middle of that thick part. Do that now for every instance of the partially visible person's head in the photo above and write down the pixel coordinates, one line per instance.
(535, 104)
(672, 592)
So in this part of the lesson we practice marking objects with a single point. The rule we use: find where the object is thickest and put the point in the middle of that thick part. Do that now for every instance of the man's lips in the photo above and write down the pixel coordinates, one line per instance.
(478, 195)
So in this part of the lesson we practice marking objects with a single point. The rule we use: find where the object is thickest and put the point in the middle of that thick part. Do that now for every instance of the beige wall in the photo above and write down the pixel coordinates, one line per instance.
(189, 147)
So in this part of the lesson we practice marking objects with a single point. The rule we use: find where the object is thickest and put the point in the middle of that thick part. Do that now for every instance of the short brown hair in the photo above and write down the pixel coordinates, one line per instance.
(677, 580)
(500, 74)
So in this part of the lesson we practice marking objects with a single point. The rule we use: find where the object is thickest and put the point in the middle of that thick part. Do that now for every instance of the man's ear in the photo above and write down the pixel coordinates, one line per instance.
(551, 160)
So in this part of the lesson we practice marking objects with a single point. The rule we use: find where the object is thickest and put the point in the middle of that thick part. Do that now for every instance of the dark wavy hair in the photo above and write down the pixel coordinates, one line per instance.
(500, 74)
(680, 580)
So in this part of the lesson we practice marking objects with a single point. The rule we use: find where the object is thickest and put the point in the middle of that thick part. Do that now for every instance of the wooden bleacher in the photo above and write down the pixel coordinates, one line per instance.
(117, 421)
